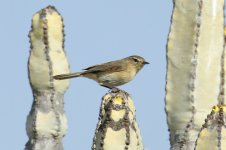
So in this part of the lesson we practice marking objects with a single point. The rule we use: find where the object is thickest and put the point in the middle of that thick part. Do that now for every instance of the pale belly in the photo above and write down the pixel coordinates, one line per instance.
(115, 79)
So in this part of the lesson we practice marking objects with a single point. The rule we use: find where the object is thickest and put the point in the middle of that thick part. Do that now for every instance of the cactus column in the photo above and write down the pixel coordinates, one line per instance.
(46, 122)
(212, 135)
(117, 128)
(194, 50)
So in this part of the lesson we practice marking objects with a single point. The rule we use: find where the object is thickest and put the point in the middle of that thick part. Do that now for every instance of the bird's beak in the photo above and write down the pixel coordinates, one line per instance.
(145, 62)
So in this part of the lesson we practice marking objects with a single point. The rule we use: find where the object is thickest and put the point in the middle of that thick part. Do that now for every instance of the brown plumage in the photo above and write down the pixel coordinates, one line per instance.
(110, 74)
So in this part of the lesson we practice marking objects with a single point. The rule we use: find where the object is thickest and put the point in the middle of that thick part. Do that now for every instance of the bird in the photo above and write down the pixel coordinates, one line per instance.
(110, 74)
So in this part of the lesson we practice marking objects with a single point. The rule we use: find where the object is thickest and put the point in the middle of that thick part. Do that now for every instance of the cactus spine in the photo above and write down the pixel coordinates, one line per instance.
(46, 122)
(194, 50)
(117, 128)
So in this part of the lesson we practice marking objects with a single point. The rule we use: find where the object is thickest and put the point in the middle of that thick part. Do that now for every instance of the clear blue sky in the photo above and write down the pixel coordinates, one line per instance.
(96, 31)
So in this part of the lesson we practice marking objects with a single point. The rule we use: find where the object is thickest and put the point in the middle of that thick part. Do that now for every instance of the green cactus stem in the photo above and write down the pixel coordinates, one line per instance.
(194, 50)
(117, 128)
(46, 123)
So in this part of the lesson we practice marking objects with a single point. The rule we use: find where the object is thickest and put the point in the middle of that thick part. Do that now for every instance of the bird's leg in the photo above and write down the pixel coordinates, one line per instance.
(115, 89)
(112, 89)
(105, 86)
(118, 90)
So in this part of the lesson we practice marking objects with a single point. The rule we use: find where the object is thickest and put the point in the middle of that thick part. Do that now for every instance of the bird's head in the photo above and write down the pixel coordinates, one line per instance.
(137, 61)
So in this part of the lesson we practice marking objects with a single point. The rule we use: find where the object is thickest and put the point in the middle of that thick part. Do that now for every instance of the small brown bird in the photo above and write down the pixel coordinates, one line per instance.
(110, 74)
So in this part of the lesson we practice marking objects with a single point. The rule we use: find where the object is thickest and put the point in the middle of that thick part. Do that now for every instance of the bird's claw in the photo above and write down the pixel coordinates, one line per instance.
(114, 90)
(117, 90)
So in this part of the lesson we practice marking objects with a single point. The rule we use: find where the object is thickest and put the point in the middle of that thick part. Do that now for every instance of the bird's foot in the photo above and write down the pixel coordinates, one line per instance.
(114, 90)
(117, 90)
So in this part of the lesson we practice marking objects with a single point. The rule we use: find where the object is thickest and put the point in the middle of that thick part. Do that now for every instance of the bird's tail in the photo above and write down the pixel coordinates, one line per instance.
(67, 76)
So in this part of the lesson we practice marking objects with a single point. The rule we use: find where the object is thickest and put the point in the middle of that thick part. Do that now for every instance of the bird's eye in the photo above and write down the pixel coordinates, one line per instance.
(135, 60)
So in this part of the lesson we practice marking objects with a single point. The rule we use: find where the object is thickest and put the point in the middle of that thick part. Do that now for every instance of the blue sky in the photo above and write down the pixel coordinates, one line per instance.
(96, 32)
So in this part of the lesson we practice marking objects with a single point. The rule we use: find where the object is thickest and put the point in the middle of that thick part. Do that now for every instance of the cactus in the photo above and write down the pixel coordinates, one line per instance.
(212, 134)
(194, 49)
(117, 128)
(46, 122)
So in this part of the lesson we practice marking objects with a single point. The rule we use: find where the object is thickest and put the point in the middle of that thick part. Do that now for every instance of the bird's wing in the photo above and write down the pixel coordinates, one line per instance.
(110, 66)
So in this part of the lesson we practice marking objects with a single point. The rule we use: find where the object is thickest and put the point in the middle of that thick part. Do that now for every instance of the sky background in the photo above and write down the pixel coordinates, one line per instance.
(96, 32)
